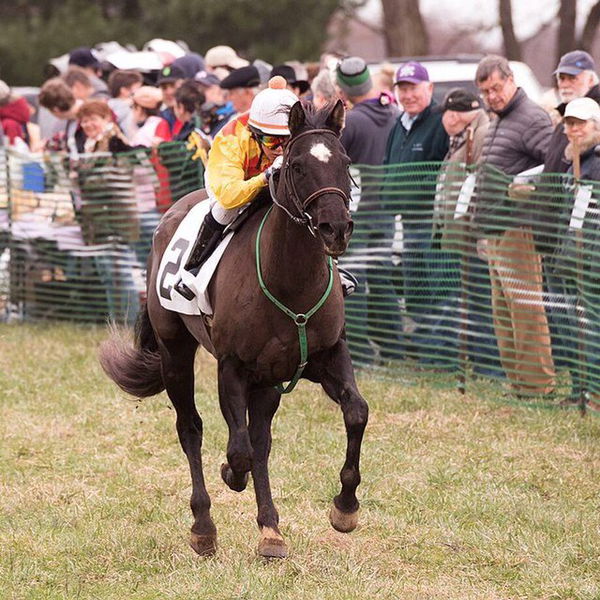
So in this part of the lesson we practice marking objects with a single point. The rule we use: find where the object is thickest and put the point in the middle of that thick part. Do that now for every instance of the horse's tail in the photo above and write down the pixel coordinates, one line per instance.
(136, 368)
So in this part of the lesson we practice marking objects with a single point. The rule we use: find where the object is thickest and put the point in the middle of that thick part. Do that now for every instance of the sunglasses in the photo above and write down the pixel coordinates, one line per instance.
(272, 141)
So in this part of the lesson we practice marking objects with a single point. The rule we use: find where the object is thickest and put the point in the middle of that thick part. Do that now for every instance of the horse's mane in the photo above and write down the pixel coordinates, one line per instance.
(316, 118)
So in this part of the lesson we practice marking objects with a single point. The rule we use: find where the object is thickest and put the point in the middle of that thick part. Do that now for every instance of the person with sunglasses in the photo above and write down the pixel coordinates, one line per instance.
(244, 155)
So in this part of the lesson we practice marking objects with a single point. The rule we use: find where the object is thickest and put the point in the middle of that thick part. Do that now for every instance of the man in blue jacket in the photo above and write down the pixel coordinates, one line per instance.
(417, 137)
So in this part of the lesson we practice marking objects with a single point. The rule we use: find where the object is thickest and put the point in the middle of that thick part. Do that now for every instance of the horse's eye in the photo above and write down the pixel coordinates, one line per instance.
(297, 168)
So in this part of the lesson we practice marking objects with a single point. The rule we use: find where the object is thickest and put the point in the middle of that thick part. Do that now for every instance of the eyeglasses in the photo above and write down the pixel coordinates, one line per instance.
(272, 142)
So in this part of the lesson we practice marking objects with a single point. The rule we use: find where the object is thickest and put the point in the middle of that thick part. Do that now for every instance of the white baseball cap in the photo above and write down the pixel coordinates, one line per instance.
(224, 56)
(583, 108)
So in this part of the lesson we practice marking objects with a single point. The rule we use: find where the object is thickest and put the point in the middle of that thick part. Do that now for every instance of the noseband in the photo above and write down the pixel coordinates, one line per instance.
(303, 218)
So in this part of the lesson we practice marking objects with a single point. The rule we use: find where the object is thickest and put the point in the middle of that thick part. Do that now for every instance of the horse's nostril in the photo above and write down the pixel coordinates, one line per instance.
(326, 230)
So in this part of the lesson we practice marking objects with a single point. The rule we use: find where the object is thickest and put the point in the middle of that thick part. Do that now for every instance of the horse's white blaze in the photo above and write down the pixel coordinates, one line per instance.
(321, 152)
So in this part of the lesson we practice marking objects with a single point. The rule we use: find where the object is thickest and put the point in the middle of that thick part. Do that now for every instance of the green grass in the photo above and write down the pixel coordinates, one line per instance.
(462, 497)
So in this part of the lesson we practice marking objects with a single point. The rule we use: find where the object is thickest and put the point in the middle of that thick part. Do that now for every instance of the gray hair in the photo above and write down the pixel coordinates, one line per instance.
(323, 86)
(489, 65)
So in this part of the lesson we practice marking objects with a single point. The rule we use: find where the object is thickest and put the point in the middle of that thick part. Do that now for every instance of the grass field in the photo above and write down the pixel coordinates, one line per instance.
(462, 497)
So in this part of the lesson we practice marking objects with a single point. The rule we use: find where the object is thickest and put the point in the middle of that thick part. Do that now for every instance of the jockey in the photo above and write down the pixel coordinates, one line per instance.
(243, 157)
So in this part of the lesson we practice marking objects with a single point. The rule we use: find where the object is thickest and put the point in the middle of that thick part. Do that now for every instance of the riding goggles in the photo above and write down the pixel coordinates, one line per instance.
(272, 142)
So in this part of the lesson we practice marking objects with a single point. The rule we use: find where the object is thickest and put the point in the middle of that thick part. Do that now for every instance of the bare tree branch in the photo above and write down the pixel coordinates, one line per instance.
(512, 47)
(567, 13)
(589, 29)
(404, 28)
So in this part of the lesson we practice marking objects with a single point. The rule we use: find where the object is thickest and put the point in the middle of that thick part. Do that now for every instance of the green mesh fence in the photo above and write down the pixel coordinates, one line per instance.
(461, 271)
(76, 233)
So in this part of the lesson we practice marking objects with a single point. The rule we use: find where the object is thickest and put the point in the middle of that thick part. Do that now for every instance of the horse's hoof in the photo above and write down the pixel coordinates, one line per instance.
(204, 545)
(341, 521)
(235, 483)
(272, 545)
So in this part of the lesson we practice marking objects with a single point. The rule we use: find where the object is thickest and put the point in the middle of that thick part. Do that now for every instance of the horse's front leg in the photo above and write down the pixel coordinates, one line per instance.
(333, 369)
(233, 400)
(262, 407)
(177, 360)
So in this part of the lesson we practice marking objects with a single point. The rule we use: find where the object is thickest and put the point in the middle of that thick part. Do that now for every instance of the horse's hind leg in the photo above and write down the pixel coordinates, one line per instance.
(177, 356)
(337, 378)
(233, 399)
(262, 407)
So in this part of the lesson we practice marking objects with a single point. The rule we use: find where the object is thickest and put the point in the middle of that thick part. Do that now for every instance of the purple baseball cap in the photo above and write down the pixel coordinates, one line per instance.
(411, 72)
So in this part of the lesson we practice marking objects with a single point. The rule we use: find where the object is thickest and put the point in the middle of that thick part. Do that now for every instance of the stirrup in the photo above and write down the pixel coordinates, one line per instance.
(349, 282)
(184, 290)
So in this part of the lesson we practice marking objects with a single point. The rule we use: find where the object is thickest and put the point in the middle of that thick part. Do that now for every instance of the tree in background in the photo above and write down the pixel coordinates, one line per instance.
(35, 30)
(567, 32)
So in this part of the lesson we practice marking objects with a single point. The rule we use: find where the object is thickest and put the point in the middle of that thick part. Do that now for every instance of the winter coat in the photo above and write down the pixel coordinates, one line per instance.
(426, 141)
(451, 231)
(368, 125)
(547, 196)
(566, 257)
(517, 140)
(14, 117)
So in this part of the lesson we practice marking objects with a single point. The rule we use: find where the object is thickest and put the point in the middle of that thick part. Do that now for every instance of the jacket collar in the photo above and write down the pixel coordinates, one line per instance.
(424, 114)
(517, 99)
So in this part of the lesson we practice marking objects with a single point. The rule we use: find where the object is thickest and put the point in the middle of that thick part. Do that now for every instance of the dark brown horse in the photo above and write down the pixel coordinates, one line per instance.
(255, 343)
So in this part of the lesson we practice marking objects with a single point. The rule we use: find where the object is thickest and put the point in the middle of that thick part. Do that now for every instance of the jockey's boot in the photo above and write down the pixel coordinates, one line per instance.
(349, 282)
(208, 239)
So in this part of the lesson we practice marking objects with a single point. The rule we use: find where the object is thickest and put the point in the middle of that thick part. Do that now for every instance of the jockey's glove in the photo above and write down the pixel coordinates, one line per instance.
(277, 163)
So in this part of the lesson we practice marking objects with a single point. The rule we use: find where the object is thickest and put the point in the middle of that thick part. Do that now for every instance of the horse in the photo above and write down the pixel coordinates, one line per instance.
(281, 258)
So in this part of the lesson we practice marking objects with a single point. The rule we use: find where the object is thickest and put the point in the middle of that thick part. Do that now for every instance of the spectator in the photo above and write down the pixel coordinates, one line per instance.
(152, 128)
(296, 85)
(368, 124)
(222, 60)
(574, 273)
(58, 98)
(122, 85)
(215, 112)
(466, 124)
(15, 114)
(241, 86)
(97, 121)
(188, 100)
(84, 58)
(517, 140)
(323, 89)
(575, 78)
(80, 83)
(417, 137)
(168, 81)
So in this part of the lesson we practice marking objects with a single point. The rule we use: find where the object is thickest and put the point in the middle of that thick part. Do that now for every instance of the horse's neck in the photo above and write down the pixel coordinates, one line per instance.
(292, 259)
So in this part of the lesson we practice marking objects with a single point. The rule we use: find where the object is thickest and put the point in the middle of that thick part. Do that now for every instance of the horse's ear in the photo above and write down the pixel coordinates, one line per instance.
(337, 118)
(297, 118)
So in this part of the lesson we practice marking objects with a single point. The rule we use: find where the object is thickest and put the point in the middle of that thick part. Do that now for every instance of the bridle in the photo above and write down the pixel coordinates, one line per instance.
(303, 218)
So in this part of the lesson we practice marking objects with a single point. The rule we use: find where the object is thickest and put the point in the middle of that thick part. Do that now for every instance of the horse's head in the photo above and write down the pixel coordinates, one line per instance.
(314, 183)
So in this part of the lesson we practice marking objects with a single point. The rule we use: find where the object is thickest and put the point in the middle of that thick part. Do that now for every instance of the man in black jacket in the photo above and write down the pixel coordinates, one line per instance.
(517, 140)
(368, 124)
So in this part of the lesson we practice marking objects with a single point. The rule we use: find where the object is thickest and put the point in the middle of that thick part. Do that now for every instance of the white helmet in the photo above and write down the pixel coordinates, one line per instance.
(269, 112)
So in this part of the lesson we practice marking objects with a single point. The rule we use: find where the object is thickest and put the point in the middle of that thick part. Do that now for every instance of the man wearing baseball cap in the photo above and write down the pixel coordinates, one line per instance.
(576, 78)
(368, 124)
(240, 86)
(418, 136)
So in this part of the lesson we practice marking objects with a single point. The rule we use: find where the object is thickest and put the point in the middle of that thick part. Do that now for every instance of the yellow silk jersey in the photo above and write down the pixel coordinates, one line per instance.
(235, 166)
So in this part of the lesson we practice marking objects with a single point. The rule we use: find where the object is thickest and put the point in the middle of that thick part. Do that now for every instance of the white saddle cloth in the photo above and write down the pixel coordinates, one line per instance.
(174, 259)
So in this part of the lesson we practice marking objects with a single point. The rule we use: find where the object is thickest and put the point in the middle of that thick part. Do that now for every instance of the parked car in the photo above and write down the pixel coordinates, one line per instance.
(448, 72)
